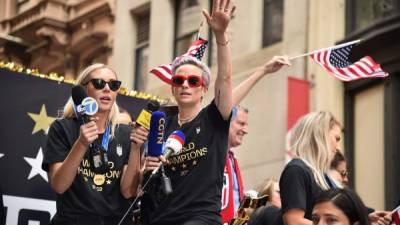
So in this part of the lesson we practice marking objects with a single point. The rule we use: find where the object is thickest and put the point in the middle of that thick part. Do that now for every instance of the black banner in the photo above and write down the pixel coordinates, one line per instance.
(30, 105)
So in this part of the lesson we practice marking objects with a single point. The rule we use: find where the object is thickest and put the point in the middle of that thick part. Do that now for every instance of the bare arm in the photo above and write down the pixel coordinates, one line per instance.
(131, 172)
(62, 174)
(218, 21)
(295, 217)
(244, 87)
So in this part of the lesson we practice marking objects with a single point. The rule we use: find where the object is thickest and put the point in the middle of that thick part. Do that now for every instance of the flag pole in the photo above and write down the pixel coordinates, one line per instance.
(325, 49)
(198, 32)
(396, 209)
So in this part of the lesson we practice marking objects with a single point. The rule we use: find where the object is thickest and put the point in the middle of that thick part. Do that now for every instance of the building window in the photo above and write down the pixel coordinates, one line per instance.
(142, 50)
(187, 23)
(273, 22)
(362, 13)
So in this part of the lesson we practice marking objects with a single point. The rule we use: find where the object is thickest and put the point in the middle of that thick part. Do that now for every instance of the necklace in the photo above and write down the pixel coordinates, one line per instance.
(182, 121)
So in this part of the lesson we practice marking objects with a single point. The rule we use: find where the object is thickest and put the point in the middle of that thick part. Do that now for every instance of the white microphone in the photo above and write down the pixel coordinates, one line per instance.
(173, 145)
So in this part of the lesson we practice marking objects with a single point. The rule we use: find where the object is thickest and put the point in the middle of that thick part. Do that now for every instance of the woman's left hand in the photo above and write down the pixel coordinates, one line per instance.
(139, 136)
(220, 16)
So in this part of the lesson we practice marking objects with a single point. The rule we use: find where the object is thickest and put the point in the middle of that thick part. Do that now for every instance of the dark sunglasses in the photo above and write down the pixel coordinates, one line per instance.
(99, 84)
(193, 80)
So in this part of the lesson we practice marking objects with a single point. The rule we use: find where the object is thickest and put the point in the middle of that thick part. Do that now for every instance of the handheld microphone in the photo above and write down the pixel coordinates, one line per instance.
(144, 116)
(84, 107)
(156, 134)
(173, 145)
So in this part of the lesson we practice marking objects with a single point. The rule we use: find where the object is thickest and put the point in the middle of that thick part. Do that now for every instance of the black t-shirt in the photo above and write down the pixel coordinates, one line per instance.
(90, 195)
(265, 215)
(196, 173)
(298, 188)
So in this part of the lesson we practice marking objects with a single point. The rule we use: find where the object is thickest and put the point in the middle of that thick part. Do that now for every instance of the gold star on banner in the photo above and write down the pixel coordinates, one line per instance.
(85, 178)
(108, 181)
(173, 168)
(183, 166)
(194, 162)
(42, 121)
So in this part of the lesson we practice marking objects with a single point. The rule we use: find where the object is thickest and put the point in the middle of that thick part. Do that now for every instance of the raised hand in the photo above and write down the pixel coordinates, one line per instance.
(220, 16)
(275, 64)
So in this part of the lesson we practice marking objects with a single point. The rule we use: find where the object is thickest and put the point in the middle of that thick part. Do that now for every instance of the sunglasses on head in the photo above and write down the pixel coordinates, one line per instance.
(99, 84)
(193, 80)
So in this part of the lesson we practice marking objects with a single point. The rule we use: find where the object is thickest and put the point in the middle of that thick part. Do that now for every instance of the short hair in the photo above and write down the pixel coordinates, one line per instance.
(183, 60)
(348, 202)
(236, 109)
(337, 159)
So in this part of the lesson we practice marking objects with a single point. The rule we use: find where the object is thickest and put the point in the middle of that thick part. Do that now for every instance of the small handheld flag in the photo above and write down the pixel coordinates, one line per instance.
(336, 61)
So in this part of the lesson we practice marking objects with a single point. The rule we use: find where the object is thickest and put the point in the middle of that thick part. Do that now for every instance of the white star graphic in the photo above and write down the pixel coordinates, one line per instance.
(1, 155)
(36, 164)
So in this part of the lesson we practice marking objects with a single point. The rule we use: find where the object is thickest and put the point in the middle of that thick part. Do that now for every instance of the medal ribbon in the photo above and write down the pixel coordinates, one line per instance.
(106, 137)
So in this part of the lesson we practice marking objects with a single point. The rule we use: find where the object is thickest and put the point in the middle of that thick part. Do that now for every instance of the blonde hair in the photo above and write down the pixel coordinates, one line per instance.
(267, 187)
(82, 79)
(311, 144)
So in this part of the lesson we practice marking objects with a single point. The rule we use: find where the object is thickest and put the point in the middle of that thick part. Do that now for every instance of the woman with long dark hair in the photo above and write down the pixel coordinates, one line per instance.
(339, 207)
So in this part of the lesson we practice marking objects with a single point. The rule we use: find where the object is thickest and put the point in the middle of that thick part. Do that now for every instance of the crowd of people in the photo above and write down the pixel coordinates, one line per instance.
(205, 176)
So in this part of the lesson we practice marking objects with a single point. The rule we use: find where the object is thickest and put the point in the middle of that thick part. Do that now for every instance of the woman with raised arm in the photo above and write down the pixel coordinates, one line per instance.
(196, 173)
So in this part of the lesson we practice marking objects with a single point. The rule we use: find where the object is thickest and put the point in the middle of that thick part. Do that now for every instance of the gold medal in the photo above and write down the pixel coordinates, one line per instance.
(99, 179)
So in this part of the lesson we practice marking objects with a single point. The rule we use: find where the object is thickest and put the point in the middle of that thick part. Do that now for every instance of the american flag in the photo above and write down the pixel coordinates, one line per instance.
(197, 50)
(337, 62)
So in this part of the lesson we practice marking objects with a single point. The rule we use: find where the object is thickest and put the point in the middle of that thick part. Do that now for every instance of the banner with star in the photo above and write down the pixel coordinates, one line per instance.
(30, 105)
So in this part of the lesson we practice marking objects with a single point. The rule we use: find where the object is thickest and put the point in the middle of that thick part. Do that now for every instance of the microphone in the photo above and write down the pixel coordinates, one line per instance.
(156, 134)
(173, 145)
(84, 106)
(144, 116)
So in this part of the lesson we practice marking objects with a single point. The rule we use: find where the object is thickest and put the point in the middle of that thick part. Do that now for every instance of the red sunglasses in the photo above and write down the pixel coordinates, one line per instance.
(193, 80)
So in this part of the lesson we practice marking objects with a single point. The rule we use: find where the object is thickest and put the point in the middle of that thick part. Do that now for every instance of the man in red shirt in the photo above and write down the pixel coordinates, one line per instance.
(232, 191)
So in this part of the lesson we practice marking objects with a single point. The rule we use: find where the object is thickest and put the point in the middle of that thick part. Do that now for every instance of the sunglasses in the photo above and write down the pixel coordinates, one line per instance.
(344, 174)
(99, 84)
(193, 80)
